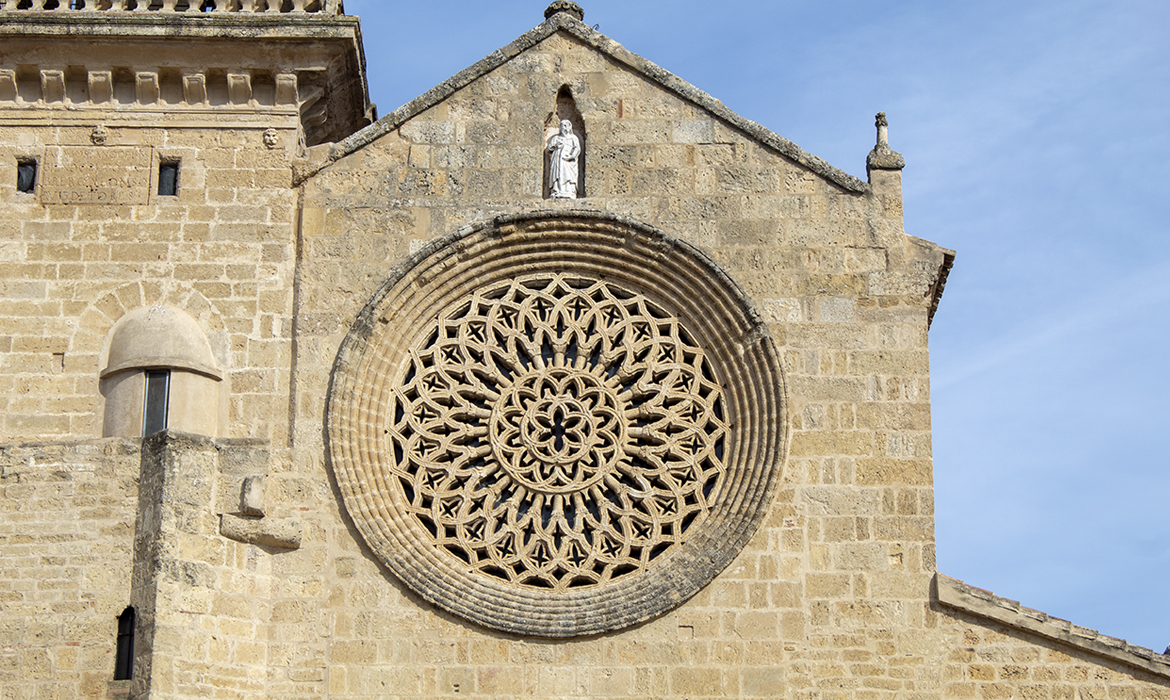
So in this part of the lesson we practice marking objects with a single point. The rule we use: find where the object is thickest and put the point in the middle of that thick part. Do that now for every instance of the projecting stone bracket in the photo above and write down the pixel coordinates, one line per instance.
(283, 534)
(250, 525)
(145, 89)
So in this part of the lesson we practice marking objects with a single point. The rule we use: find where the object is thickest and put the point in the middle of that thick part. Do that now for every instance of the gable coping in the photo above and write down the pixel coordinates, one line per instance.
(953, 593)
(564, 22)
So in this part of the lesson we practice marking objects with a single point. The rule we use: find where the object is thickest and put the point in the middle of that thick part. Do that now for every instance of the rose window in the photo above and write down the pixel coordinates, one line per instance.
(557, 432)
(557, 424)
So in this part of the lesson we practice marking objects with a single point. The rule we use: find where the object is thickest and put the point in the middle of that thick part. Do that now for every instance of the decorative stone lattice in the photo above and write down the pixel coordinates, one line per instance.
(557, 432)
(539, 433)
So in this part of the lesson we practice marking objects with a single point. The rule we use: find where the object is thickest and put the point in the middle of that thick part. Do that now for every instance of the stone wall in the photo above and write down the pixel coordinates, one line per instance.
(73, 264)
(999, 661)
(99, 98)
(1001, 649)
(67, 516)
(202, 598)
(250, 577)
(845, 556)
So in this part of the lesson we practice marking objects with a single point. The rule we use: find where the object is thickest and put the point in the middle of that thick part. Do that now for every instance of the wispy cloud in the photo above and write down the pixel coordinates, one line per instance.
(1134, 298)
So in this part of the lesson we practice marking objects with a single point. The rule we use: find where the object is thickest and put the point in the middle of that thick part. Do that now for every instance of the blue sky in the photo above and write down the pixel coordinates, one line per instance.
(1036, 137)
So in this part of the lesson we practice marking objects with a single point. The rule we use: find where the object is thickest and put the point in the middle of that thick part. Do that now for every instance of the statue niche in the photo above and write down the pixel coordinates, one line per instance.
(564, 150)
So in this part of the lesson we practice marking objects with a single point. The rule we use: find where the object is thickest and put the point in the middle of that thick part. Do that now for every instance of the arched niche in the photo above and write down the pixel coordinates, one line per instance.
(159, 372)
(565, 110)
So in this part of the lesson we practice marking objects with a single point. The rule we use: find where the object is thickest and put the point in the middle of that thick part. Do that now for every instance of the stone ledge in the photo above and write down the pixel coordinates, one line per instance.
(170, 25)
(317, 62)
(953, 593)
(280, 534)
(299, 8)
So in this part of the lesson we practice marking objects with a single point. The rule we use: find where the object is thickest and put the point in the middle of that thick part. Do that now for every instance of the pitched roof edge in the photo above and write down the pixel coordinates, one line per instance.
(599, 41)
(953, 593)
(940, 278)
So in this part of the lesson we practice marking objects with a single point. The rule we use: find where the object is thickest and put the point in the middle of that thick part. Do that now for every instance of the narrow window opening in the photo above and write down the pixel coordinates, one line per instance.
(26, 175)
(158, 389)
(168, 178)
(124, 658)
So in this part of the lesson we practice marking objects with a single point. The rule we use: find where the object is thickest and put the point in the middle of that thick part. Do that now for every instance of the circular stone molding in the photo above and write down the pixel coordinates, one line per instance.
(557, 424)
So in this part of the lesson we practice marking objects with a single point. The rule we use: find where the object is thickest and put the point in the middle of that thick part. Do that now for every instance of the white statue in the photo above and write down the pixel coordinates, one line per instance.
(564, 148)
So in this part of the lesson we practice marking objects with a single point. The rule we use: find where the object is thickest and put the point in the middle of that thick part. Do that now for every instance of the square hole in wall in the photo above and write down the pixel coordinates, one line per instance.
(26, 175)
(168, 178)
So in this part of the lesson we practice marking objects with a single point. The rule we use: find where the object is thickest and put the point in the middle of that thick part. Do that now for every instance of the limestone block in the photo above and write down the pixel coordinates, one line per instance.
(146, 87)
(252, 496)
(239, 88)
(53, 85)
(283, 534)
(101, 86)
(195, 89)
(692, 131)
(7, 85)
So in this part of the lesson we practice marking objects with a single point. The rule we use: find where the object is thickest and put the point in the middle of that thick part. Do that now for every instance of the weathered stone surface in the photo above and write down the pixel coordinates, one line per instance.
(575, 383)
(822, 590)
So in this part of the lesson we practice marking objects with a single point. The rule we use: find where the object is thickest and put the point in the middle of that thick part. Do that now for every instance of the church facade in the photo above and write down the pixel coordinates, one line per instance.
(561, 380)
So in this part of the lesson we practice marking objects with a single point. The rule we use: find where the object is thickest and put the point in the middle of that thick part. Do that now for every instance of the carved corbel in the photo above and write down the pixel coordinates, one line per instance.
(7, 85)
(251, 526)
(314, 107)
(286, 89)
(239, 88)
(195, 89)
(146, 86)
(53, 85)
(283, 534)
(101, 86)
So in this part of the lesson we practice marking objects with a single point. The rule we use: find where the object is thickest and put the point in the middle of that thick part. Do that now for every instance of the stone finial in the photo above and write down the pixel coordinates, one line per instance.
(568, 7)
(883, 129)
(882, 157)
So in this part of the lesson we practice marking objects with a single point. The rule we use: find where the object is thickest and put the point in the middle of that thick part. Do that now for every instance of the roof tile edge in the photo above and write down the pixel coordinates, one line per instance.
(955, 594)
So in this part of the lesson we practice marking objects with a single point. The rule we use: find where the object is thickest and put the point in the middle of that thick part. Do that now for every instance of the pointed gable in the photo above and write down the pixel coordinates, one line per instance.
(607, 50)
(655, 149)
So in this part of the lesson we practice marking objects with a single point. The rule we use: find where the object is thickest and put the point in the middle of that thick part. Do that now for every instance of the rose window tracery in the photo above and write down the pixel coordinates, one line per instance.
(557, 423)
(557, 432)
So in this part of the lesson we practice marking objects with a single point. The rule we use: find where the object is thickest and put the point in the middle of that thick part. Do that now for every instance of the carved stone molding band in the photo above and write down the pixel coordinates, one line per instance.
(557, 425)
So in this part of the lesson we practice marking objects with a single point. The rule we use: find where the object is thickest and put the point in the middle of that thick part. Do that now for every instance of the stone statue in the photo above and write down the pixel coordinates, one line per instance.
(564, 148)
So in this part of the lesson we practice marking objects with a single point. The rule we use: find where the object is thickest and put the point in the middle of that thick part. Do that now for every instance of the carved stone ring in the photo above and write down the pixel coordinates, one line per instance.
(558, 424)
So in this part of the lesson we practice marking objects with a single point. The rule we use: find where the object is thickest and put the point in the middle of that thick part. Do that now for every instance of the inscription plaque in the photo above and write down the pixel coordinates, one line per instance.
(98, 175)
